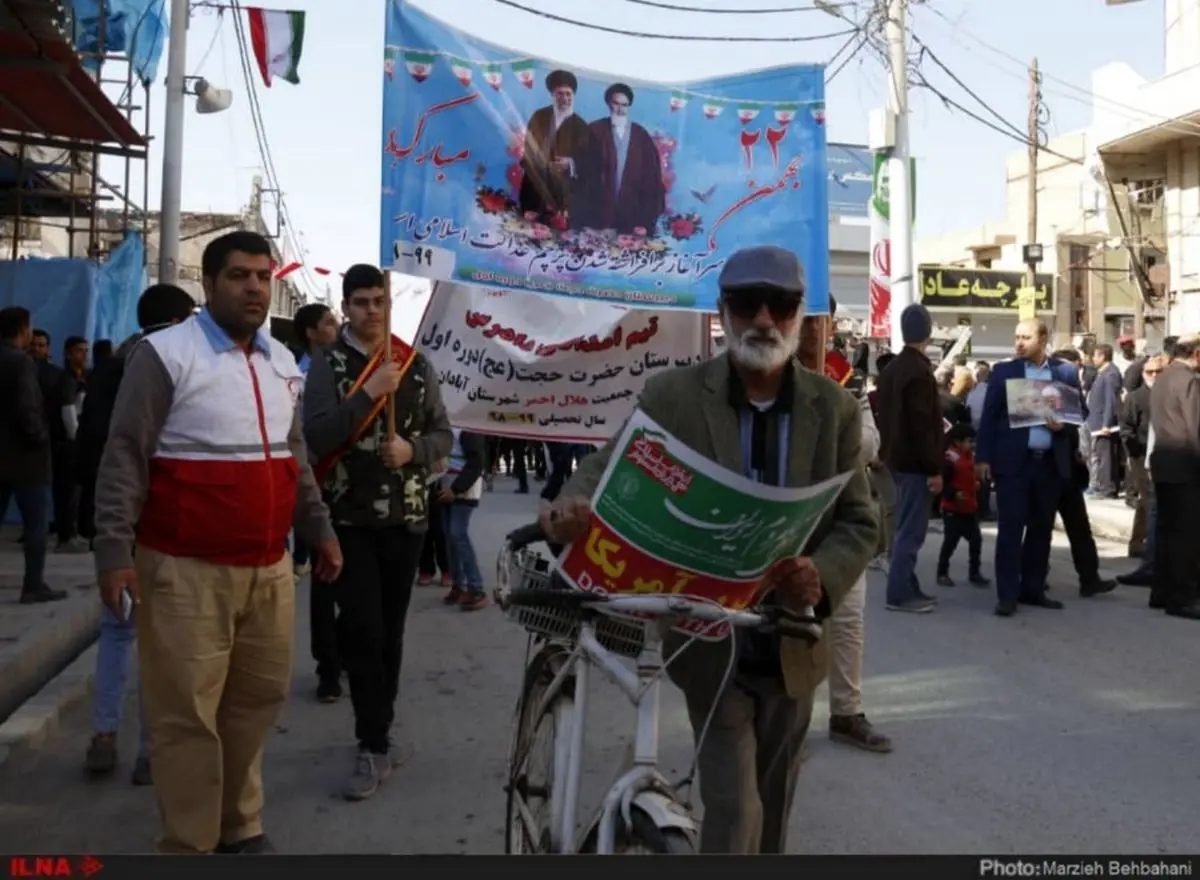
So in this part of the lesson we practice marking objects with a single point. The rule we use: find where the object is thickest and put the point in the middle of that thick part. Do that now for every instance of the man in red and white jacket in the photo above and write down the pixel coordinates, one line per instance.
(203, 476)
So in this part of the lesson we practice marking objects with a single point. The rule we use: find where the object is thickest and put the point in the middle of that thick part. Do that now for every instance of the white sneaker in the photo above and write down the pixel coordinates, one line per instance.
(76, 545)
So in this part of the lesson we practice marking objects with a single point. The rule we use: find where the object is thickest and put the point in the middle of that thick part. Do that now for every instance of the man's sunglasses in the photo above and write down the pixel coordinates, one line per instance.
(746, 304)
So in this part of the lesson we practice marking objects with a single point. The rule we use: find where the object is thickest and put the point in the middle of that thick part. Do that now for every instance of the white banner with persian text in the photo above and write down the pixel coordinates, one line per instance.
(545, 367)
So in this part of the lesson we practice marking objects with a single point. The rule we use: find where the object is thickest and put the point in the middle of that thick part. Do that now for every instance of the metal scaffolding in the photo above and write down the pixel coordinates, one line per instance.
(62, 112)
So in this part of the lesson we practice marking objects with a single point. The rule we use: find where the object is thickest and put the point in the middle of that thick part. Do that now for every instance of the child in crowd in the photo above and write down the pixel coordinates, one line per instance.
(960, 506)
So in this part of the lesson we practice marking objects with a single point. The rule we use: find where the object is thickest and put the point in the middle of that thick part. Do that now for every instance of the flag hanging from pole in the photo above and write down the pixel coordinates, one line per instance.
(277, 37)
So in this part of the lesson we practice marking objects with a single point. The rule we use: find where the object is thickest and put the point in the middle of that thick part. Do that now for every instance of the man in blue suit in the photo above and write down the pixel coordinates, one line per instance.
(1029, 468)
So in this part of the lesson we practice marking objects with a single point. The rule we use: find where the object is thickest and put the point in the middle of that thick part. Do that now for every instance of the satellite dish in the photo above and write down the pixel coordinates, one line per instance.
(210, 99)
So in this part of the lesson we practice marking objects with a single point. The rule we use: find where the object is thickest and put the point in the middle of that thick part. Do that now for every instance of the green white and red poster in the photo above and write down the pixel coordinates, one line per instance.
(667, 520)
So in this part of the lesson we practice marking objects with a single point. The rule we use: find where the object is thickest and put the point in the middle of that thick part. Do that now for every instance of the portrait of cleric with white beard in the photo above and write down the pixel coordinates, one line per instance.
(558, 152)
(627, 191)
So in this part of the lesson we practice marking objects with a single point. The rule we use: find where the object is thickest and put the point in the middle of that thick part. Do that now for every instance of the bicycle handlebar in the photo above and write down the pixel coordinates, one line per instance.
(519, 539)
(773, 619)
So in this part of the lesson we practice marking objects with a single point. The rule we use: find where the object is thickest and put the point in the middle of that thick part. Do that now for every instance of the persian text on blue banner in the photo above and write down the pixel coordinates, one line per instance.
(513, 171)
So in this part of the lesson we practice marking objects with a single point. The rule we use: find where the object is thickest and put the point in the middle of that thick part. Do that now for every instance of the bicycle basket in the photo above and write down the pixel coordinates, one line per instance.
(531, 571)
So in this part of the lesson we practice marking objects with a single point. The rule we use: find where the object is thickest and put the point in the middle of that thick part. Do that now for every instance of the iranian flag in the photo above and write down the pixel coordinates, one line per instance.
(419, 64)
(461, 70)
(390, 54)
(524, 72)
(277, 36)
(818, 112)
(712, 109)
(492, 75)
(747, 112)
(785, 113)
(679, 100)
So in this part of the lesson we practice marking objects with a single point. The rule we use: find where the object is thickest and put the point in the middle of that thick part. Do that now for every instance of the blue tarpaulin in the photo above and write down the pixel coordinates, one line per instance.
(60, 294)
(136, 28)
(77, 297)
(119, 283)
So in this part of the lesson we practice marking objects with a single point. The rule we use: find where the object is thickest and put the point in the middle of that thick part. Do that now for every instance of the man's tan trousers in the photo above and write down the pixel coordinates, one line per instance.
(846, 632)
(215, 652)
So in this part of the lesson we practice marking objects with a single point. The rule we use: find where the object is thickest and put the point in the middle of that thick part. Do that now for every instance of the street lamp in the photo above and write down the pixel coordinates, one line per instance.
(208, 100)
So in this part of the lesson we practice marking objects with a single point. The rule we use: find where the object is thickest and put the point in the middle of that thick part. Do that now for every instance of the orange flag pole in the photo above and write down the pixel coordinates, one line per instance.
(387, 351)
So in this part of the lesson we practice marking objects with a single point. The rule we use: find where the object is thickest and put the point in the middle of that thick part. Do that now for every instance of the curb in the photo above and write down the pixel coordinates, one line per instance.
(33, 661)
(38, 717)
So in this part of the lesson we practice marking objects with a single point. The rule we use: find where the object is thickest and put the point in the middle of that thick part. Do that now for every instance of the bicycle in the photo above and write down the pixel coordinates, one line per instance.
(642, 811)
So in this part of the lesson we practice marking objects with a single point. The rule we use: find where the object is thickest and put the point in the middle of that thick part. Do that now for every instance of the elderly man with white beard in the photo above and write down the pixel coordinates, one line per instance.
(557, 158)
(628, 194)
(754, 410)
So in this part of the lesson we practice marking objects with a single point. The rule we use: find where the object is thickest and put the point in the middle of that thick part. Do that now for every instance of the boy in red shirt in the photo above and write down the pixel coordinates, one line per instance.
(960, 506)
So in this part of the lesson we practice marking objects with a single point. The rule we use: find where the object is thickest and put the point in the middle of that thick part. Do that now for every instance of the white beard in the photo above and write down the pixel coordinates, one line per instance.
(561, 116)
(620, 124)
(753, 351)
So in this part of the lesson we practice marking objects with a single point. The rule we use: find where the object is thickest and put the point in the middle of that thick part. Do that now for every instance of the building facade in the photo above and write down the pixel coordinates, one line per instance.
(1094, 237)
(38, 238)
(1147, 135)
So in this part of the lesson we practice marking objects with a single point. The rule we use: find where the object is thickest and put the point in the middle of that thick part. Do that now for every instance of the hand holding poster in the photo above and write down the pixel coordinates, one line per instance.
(548, 368)
(667, 520)
(517, 172)
(1033, 402)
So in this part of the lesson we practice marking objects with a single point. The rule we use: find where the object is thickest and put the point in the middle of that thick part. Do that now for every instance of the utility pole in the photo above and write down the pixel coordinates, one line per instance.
(899, 168)
(1035, 102)
(170, 214)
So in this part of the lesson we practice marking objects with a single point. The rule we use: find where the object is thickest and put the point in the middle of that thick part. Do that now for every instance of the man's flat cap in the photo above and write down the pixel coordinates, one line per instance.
(763, 266)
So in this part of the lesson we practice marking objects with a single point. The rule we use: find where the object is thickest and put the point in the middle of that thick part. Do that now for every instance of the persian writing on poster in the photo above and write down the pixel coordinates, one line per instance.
(667, 520)
(511, 171)
(1033, 402)
(522, 365)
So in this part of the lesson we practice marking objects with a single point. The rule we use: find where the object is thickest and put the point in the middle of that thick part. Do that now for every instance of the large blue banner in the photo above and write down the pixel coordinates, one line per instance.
(518, 172)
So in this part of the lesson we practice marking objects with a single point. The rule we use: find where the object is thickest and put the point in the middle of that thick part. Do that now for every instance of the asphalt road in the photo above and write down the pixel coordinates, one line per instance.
(1062, 732)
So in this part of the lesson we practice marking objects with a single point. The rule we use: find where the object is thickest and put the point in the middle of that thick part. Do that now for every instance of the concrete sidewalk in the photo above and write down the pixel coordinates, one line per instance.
(37, 642)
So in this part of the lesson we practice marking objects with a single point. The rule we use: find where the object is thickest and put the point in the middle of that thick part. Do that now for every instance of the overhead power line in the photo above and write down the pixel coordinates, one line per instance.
(675, 8)
(859, 40)
(927, 52)
(809, 38)
(1082, 94)
(264, 147)
(1010, 132)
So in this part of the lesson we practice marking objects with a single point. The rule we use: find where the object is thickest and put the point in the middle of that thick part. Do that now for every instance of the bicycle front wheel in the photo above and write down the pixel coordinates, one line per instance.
(532, 767)
(644, 838)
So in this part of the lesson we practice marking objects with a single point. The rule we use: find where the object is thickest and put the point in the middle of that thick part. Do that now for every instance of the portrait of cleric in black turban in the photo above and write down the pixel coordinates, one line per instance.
(627, 191)
(558, 155)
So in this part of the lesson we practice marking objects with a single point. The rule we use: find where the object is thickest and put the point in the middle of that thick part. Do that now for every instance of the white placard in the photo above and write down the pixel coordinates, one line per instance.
(422, 260)
(548, 367)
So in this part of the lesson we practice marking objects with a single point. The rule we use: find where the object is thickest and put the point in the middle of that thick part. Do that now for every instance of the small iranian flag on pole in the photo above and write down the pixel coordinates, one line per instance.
(461, 70)
(712, 109)
(277, 36)
(747, 112)
(785, 113)
(492, 75)
(419, 64)
(524, 72)
(679, 100)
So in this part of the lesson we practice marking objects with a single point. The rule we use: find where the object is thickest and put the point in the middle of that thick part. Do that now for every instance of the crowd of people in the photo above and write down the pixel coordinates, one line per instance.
(211, 446)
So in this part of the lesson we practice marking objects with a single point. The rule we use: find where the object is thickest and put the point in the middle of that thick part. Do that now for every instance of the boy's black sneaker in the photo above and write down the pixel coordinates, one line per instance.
(944, 580)
(978, 580)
